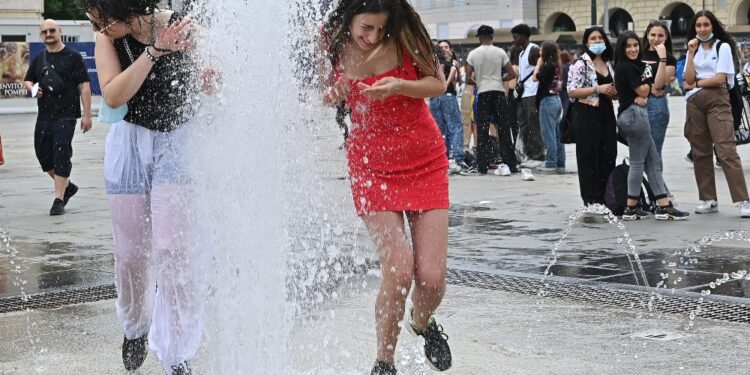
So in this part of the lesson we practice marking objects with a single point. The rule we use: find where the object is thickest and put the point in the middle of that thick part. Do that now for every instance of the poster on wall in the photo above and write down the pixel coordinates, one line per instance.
(14, 61)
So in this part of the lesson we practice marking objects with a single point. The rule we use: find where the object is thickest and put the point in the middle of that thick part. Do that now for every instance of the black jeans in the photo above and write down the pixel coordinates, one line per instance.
(596, 148)
(489, 104)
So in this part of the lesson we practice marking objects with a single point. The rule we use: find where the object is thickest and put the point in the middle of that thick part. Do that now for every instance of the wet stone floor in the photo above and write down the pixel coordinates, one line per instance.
(480, 239)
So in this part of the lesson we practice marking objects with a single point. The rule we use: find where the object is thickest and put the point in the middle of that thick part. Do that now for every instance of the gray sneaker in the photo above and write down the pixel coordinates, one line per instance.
(707, 207)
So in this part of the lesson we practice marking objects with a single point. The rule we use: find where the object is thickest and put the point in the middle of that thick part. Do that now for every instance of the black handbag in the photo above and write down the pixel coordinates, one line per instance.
(518, 91)
(567, 124)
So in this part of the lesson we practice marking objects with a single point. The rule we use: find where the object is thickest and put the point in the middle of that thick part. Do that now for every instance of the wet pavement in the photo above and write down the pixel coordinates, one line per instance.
(498, 226)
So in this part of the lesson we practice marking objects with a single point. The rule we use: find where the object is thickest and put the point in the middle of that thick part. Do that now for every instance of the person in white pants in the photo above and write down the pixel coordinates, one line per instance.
(141, 62)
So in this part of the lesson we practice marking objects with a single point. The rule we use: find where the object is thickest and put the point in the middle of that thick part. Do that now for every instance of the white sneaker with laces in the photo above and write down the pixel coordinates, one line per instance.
(745, 209)
(707, 207)
(526, 174)
(453, 167)
(502, 170)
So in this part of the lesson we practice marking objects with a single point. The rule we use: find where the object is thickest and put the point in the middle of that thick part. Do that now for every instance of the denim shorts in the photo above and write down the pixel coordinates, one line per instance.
(136, 158)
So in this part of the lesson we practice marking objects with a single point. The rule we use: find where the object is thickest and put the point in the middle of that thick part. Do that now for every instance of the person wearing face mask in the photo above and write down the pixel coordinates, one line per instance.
(590, 84)
(710, 127)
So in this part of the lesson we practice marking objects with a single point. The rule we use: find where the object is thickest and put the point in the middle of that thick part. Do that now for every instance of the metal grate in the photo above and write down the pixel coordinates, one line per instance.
(590, 293)
(598, 294)
(58, 298)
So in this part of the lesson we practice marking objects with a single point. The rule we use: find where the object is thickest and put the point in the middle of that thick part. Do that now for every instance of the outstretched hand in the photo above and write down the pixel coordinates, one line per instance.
(174, 37)
(338, 92)
(381, 89)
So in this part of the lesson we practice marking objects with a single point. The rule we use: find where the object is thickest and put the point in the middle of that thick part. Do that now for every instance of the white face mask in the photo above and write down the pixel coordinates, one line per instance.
(709, 37)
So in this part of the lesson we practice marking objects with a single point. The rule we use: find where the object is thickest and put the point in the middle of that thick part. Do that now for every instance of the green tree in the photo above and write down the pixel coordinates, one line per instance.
(63, 10)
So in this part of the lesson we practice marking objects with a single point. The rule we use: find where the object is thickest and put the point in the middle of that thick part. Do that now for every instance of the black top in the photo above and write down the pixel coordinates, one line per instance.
(168, 96)
(651, 58)
(549, 81)
(59, 74)
(447, 65)
(628, 76)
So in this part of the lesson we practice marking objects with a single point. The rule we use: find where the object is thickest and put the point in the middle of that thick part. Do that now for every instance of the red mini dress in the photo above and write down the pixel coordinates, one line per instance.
(396, 153)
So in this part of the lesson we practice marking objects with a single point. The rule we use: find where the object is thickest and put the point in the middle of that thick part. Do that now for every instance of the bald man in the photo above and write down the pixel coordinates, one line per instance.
(59, 80)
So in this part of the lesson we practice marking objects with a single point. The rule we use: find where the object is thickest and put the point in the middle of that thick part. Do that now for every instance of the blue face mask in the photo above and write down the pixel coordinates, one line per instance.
(597, 48)
(709, 37)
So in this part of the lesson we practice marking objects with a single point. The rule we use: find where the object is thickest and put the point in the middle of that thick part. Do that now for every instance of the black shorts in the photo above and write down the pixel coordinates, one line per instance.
(53, 145)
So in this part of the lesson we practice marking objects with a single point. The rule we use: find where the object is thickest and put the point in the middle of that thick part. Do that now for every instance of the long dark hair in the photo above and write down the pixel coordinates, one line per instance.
(607, 54)
(551, 53)
(719, 31)
(119, 10)
(404, 29)
(667, 42)
(622, 42)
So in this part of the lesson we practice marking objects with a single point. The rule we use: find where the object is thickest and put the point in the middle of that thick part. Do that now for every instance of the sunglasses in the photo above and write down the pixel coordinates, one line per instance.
(97, 28)
(49, 31)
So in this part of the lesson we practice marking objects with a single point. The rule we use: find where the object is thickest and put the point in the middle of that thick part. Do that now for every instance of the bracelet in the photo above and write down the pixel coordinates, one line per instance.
(663, 59)
(596, 89)
(154, 59)
(162, 50)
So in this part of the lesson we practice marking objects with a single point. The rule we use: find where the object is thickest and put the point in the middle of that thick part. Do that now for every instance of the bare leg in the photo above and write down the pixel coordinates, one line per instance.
(429, 232)
(61, 183)
(397, 268)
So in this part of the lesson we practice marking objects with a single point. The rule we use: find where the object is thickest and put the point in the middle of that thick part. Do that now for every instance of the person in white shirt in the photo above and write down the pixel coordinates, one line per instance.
(709, 69)
(528, 114)
(485, 64)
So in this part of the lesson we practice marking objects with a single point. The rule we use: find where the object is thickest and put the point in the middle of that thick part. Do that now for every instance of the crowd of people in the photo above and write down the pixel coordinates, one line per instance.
(512, 104)
(399, 148)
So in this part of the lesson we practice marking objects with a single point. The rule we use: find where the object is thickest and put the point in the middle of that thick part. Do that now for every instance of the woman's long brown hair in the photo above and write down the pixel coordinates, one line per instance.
(404, 29)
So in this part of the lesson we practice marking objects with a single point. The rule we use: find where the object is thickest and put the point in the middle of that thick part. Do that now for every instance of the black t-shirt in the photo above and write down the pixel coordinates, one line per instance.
(549, 80)
(169, 95)
(447, 65)
(628, 76)
(58, 103)
(651, 58)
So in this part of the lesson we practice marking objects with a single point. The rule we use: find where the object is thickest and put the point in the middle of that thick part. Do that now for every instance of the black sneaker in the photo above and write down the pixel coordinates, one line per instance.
(58, 207)
(670, 213)
(634, 213)
(436, 349)
(70, 191)
(383, 368)
(134, 352)
(182, 369)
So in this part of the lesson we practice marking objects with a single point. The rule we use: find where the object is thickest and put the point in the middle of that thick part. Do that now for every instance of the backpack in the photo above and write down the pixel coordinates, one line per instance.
(616, 193)
(735, 95)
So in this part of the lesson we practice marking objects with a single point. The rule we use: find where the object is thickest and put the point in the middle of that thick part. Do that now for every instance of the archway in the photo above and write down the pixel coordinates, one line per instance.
(559, 22)
(681, 15)
(619, 20)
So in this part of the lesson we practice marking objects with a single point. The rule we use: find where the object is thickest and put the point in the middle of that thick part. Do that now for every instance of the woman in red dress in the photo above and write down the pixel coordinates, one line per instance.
(381, 62)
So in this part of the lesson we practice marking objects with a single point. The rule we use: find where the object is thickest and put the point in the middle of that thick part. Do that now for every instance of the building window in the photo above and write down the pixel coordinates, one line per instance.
(13, 38)
(71, 38)
(442, 31)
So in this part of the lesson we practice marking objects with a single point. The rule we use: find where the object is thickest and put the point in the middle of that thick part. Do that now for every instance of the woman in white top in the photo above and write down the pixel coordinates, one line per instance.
(709, 69)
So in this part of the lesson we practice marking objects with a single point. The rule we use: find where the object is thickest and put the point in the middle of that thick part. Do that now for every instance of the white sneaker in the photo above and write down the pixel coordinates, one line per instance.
(543, 169)
(707, 207)
(502, 170)
(745, 209)
(532, 163)
(526, 174)
(453, 167)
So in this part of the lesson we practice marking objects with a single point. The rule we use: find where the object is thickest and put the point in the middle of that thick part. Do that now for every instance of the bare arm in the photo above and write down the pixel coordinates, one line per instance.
(689, 74)
(85, 88)
(470, 75)
(510, 72)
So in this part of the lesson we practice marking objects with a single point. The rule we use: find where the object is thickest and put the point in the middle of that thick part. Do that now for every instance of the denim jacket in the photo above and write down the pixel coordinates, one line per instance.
(583, 74)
